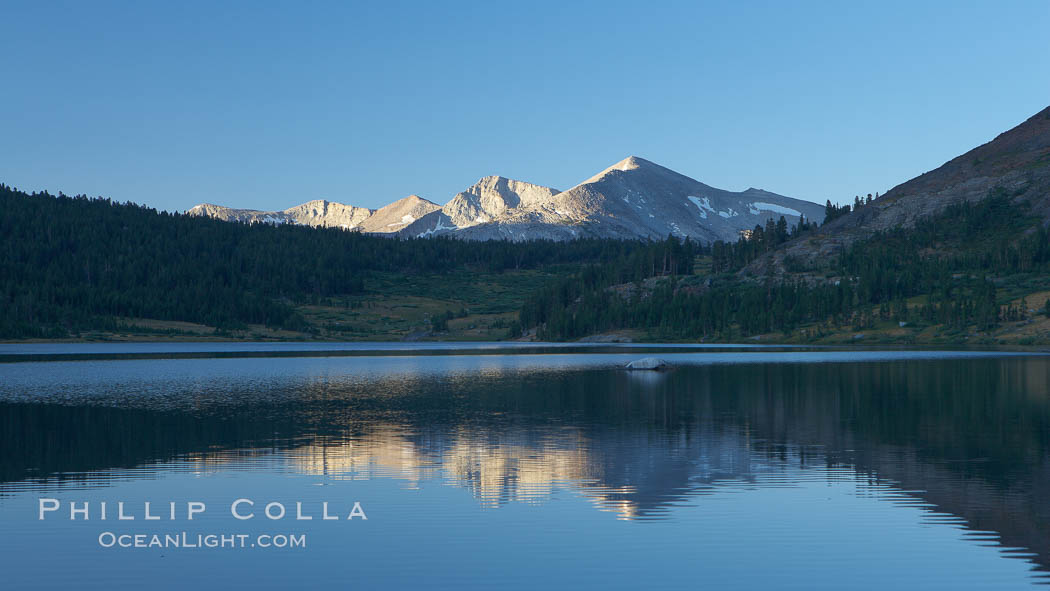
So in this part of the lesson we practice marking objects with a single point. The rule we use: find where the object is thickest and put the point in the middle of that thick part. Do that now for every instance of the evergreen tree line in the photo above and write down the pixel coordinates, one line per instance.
(950, 258)
(832, 211)
(76, 263)
(729, 257)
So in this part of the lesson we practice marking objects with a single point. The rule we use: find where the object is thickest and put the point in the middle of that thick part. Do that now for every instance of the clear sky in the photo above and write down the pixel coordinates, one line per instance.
(267, 105)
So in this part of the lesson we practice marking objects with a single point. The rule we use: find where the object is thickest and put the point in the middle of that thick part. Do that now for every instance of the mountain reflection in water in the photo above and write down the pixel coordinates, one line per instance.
(965, 438)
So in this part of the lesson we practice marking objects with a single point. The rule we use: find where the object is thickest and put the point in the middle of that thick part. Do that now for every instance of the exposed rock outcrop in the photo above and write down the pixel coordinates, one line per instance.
(1017, 161)
(633, 198)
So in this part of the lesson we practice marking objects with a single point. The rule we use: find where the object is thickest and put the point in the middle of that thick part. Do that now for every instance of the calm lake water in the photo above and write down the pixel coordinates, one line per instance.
(484, 466)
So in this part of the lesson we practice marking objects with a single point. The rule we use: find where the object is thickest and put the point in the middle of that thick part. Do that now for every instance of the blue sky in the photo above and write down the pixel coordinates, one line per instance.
(268, 105)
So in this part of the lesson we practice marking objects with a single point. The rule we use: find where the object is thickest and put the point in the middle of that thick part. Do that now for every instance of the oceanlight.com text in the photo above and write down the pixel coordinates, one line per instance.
(195, 541)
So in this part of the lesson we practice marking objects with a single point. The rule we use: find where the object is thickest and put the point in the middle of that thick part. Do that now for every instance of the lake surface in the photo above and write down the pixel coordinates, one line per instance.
(515, 467)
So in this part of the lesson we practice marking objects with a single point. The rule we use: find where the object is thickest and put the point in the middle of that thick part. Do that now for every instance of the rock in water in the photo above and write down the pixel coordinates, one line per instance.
(652, 363)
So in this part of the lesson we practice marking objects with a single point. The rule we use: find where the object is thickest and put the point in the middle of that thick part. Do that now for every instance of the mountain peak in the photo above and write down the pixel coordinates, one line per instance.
(628, 163)
(632, 163)
(633, 198)
(502, 183)
(491, 197)
(412, 199)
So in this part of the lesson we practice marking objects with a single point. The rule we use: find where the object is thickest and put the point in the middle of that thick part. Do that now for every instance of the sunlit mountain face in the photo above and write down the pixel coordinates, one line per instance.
(633, 198)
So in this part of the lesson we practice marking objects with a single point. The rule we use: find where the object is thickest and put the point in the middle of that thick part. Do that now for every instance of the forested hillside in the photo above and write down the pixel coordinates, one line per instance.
(73, 263)
(944, 270)
(1017, 161)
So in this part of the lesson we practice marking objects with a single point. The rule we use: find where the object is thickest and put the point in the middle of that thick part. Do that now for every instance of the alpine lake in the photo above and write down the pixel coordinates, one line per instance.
(521, 466)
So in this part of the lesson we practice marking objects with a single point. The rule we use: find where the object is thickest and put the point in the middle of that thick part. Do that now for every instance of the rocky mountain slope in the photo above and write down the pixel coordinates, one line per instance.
(325, 214)
(329, 214)
(633, 198)
(1017, 161)
(397, 215)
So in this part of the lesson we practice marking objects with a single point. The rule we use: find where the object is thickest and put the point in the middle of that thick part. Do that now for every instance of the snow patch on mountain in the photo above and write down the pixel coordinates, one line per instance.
(633, 198)
(703, 203)
(760, 206)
